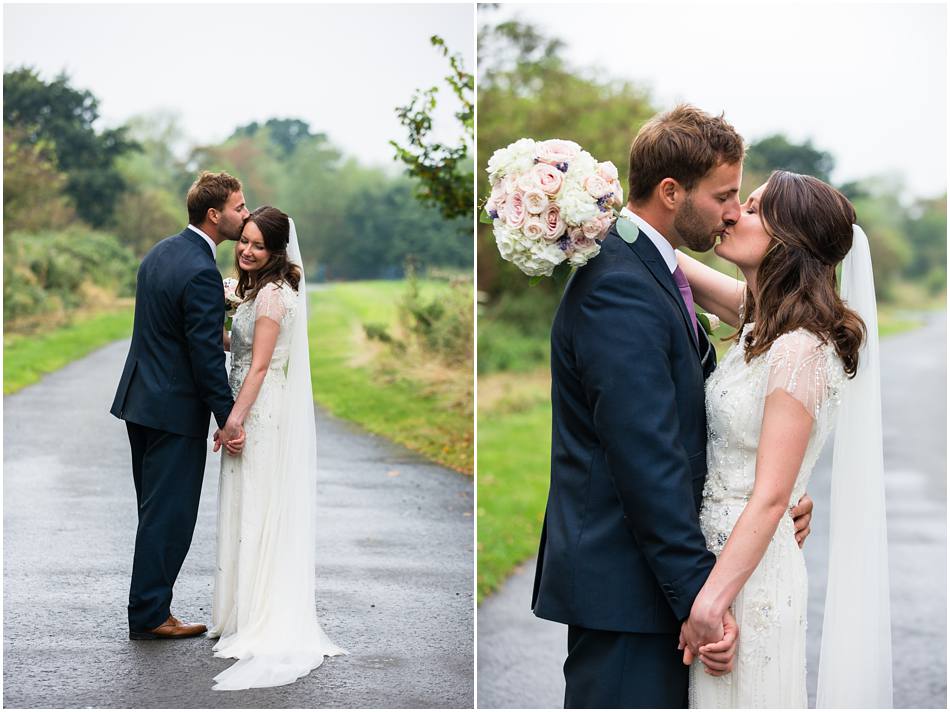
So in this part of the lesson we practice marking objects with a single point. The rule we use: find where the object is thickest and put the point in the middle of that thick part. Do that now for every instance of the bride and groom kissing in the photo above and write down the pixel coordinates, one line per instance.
(174, 379)
(671, 543)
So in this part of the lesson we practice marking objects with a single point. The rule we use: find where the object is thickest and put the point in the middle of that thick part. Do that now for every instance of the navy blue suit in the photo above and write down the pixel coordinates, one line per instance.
(174, 379)
(622, 556)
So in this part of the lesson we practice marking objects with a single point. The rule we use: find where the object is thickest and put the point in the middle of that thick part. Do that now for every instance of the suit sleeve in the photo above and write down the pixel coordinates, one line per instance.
(622, 346)
(204, 326)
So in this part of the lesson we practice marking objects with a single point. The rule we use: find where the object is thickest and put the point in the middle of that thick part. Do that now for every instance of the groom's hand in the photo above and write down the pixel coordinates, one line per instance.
(801, 514)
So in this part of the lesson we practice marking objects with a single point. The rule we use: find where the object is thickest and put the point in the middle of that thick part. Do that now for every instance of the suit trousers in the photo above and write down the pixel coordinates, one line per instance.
(609, 669)
(168, 470)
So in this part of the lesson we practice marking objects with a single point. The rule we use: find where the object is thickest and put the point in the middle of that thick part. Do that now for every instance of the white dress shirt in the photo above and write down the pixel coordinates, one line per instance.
(214, 247)
(665, 248)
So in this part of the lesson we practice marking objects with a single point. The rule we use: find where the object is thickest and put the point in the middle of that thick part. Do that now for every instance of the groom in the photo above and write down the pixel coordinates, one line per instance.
(174, 378)
(622, 555)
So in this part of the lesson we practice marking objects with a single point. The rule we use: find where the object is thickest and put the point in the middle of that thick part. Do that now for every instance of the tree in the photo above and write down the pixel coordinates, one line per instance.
(287, 134)
(33, 187)
(444, 172)
(777, 152)
(56, 113)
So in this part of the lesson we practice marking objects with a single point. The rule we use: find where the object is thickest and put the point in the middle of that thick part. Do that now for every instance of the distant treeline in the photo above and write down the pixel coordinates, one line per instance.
(121, 190)
(527, 88)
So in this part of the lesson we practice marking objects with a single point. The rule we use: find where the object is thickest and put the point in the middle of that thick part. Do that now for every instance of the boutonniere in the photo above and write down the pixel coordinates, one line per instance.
(627, 229)
(710, 322)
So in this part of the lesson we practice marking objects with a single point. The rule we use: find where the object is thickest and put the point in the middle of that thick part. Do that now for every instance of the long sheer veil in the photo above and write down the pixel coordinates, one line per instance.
(855, 664)
(286, 642)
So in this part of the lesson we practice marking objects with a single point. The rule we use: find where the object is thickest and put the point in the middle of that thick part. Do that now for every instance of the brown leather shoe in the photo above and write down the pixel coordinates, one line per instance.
(172, 628)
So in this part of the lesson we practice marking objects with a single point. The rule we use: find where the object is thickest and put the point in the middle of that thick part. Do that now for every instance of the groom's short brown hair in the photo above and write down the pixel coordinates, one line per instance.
(684, 144)
(210, 190)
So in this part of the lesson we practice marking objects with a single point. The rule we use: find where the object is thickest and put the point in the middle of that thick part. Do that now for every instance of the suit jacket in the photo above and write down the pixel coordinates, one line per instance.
(621, 548)
(175, 375)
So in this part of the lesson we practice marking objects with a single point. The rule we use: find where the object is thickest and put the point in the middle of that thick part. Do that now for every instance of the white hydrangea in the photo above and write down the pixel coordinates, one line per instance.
(516, 158)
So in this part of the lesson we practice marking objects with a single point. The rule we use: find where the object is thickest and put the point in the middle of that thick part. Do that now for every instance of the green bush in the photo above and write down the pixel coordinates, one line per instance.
(443, 324)
(51, 271)
(505, 347)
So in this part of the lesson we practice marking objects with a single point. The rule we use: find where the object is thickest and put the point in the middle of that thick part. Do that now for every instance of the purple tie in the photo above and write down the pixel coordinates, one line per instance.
(687, 295)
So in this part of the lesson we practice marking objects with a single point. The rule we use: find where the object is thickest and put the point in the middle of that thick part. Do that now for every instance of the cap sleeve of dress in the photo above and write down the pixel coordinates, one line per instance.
(270, 303)
(798, 365)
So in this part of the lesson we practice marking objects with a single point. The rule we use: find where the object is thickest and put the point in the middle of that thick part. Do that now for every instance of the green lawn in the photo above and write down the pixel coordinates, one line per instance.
(385, 401)
(514, 456)
(27, 358)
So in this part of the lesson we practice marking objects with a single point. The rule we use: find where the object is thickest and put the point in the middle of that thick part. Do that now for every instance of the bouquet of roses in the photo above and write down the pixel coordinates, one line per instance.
(231, 300)
(551, 203)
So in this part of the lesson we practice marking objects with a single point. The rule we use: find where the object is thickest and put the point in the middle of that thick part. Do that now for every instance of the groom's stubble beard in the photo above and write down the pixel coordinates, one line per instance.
(694, 233)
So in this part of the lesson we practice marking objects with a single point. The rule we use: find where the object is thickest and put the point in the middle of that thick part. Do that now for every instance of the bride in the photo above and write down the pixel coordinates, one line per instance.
(263, 608)
(804, 358)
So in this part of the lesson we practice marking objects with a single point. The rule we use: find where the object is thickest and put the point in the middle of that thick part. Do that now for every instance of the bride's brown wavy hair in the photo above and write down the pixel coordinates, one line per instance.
(810, 224)
(274, 225)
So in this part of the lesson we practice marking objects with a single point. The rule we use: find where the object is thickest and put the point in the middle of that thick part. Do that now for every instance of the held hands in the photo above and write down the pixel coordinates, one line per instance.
(231, 436)
(801, 515)
(717, 656)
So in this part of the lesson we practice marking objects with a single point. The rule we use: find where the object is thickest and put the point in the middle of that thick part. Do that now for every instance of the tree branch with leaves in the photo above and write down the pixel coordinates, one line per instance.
(445, 172)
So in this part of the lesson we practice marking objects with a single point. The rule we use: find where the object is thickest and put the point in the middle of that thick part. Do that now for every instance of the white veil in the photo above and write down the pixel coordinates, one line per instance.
(287, 642)
(855, 664)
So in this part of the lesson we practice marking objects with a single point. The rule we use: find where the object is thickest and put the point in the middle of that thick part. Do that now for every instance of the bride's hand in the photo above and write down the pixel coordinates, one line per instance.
(718, 658)
(703, 626)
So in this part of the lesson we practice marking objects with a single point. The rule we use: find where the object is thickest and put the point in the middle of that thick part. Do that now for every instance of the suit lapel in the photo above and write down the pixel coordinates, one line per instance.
(644, 249)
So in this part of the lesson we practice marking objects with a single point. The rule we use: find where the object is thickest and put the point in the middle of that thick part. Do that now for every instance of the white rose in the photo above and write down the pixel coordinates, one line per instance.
(534, 227)
(535, 201)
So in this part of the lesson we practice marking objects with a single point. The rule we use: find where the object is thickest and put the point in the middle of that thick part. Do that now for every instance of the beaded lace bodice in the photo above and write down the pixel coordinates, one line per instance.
(276, 302)
(798, 363)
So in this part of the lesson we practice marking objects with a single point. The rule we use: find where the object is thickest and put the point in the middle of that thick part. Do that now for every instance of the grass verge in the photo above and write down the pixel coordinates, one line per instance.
(424, 409)
(29, 357)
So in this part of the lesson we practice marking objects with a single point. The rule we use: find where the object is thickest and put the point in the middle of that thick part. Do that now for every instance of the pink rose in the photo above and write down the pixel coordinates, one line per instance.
(496, 201)
(535, 201)
(549, 177)
(607, 171)
(579, 241)
(553, 222)
(514, 209)
(555, 152)
(534, 227)
(618, 193)
(528, 181)
(594, 229)
(596, 186)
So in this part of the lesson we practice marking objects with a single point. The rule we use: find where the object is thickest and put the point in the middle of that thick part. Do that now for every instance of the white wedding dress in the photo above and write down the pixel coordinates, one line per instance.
(263, 607)
(771, 608)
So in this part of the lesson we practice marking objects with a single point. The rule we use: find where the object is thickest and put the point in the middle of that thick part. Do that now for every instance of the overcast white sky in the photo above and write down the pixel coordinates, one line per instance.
(341, 68)
(867, 83)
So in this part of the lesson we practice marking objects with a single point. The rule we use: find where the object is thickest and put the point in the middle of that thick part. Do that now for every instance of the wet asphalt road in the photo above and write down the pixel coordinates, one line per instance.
(394, 567)
(520, 656)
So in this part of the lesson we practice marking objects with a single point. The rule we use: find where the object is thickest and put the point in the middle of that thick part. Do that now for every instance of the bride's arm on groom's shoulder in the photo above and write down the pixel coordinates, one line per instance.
(786, 426)
(715, 292)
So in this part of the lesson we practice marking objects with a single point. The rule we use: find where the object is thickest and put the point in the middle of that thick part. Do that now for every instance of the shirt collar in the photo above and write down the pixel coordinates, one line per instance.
(214, 247)
(665, 248)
